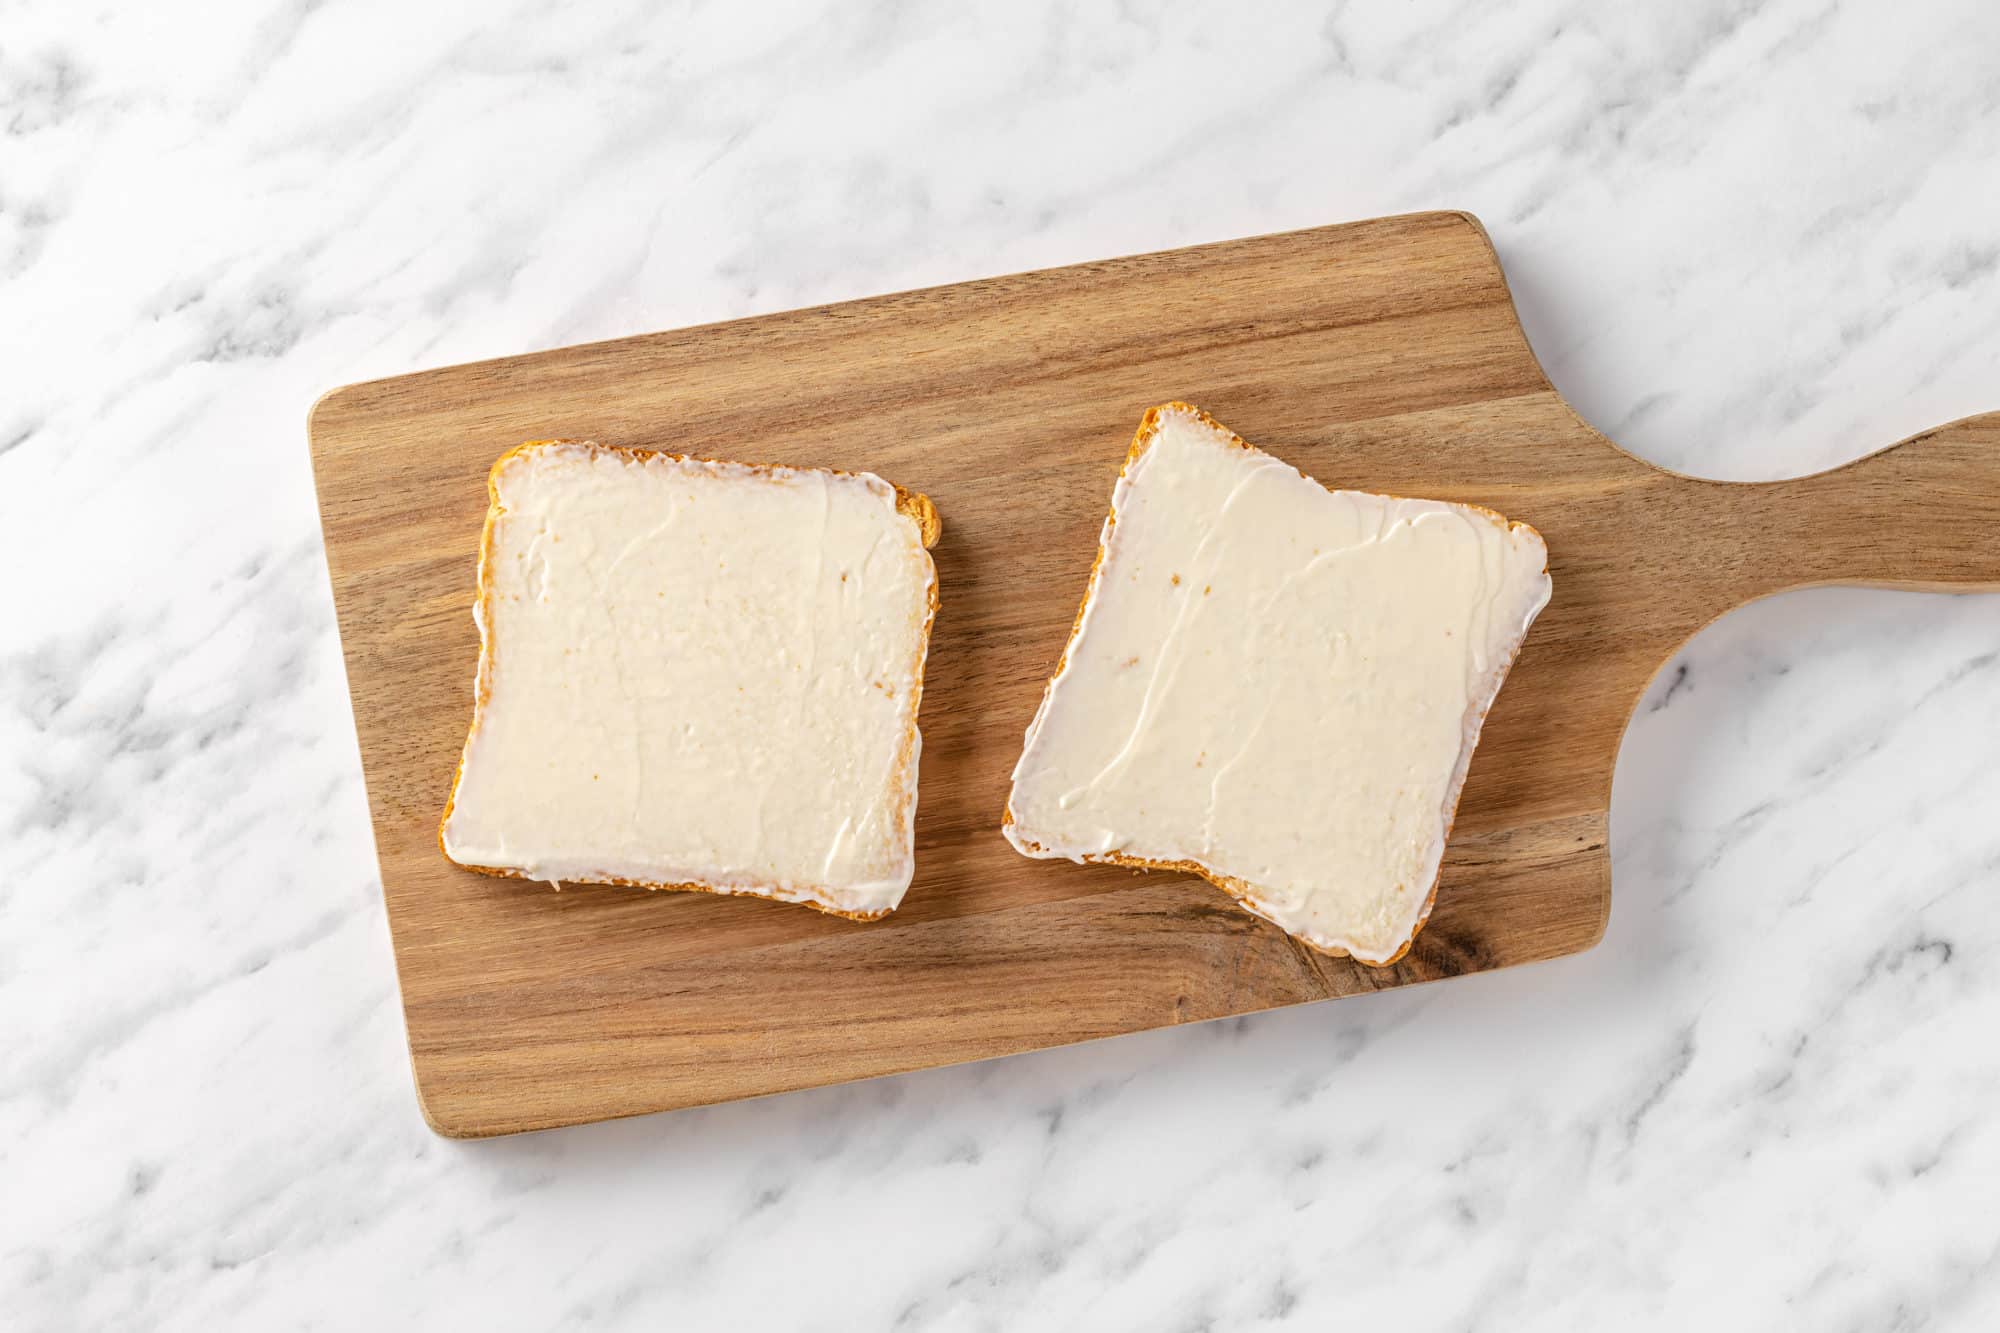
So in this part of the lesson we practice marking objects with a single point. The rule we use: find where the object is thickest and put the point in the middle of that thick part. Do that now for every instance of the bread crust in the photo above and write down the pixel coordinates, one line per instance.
(1244, 893)
(912, 505)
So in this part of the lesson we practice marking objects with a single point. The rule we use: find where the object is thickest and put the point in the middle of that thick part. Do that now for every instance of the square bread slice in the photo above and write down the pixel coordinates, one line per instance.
(1276, 686)
(697, 675)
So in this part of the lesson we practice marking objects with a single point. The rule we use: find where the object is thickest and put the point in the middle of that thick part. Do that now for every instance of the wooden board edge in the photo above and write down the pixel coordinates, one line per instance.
(444, 1119)
(328, 403)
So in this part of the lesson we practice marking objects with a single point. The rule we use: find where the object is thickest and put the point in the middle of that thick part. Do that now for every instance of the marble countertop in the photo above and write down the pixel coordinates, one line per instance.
(1748, 241)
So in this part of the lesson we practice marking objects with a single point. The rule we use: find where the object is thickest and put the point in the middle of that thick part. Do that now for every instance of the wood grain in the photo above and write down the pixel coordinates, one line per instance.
(1383, 355)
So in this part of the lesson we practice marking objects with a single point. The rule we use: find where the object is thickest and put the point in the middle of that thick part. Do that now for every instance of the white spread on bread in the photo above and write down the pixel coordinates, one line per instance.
(696, 674)
(1277, 684)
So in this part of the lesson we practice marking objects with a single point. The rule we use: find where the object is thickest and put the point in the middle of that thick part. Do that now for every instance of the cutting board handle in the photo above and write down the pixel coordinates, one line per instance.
(1923, 514)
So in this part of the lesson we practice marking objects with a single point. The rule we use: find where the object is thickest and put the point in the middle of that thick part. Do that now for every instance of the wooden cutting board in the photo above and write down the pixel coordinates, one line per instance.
(1382, 355)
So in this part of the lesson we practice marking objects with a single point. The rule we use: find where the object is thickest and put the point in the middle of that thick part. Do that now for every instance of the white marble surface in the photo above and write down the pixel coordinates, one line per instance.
(1749, 240)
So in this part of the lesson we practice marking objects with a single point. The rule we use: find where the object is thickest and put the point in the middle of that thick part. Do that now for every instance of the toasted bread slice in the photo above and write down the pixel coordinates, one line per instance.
(697, 675)
(1276, 686)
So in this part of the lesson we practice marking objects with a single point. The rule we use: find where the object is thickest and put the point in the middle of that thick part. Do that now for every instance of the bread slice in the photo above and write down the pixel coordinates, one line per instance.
(697, 675)
(1276, 686)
